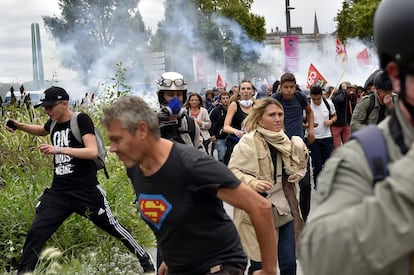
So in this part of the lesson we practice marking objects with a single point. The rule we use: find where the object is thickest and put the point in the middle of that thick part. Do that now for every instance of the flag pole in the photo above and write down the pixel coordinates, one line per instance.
(340, 78)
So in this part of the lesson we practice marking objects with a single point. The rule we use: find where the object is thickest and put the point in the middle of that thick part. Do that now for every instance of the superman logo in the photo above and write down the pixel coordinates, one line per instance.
(153, 208)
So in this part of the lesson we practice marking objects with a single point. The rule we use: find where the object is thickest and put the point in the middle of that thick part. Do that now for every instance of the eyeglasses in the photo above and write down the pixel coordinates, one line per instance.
(48, 108)
(168, 82)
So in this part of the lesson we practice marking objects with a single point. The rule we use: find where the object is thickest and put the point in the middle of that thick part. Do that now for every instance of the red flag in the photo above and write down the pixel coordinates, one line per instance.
(315, 77)
(219, 82)
(341, 50)
(362, 58)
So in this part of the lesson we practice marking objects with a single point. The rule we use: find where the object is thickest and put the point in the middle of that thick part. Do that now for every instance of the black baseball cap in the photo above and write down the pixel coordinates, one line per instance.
(52, 95)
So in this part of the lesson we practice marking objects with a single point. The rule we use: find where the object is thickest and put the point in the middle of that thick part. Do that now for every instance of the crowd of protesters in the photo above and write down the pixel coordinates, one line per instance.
(275, 139)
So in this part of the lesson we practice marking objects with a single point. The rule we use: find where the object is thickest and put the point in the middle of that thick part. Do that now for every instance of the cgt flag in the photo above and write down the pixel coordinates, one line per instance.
(362, 58)
(219, 82)
(315, 78)
(341, 51)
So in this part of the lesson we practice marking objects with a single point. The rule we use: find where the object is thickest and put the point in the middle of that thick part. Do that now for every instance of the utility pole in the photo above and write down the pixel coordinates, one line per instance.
(224, 63)
(288, 27)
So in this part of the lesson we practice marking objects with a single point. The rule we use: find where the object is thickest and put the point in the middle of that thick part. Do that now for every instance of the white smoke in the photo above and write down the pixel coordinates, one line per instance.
(323, 56)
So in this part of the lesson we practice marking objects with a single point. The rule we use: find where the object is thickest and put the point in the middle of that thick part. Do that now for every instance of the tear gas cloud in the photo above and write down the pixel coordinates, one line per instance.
(180, 24)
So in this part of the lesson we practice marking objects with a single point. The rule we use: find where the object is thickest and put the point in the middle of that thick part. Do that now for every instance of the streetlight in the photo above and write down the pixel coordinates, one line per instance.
(288, 9)
(224, 61)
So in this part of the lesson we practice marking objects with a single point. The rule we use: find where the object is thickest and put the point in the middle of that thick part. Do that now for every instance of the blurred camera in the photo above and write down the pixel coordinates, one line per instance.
(11, 124)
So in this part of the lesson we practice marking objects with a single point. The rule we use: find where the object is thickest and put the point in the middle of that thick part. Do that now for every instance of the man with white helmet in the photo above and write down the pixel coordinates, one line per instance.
(175, 124)
(360, 227)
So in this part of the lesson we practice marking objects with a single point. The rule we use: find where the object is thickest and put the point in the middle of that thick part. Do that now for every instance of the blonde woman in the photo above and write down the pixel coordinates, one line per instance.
(257, 161)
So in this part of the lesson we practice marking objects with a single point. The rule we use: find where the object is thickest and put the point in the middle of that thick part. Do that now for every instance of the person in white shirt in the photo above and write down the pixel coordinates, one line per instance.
(324, 116)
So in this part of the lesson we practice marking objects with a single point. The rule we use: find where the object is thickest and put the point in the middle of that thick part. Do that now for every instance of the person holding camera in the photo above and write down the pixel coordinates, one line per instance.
(175, 123)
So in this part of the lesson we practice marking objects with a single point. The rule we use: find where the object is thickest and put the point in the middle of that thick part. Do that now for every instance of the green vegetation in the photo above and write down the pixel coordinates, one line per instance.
(86, 249)
(355, 19)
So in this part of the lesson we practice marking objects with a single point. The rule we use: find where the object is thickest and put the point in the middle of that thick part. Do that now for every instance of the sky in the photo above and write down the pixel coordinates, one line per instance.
(18, 15)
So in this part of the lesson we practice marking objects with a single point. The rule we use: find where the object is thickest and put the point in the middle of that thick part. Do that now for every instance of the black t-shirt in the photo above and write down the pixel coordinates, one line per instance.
(180, 205)
(71, 173)
(217, 117)
(238, 117)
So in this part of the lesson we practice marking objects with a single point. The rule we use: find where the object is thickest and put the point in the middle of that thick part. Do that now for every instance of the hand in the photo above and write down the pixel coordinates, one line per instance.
(388, 101)
(311, 137)
(163, 269)
(11, 125)
(263, 186)
(238, 133)
(48, 149)
(213, 138)
(262, 272)
(328, 123)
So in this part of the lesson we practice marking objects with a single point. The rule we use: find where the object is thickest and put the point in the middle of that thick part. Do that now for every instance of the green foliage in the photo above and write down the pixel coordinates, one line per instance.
(114, 87)
(355, 19)
(25, 173)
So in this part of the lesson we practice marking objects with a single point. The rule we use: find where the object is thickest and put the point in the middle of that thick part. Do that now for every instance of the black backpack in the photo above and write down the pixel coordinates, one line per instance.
(299, 96)
(370, 107)
(373, 143)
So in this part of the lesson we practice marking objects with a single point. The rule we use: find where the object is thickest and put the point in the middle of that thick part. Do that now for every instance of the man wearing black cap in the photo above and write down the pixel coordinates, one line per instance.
(75, 188)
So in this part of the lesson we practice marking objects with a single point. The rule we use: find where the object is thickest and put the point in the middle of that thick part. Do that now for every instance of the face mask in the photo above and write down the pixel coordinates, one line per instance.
(246, 103)
(175, 105)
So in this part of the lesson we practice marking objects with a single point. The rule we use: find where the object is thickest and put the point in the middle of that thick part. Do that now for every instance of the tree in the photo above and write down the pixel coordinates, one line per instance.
(355, 19)
(92, 34)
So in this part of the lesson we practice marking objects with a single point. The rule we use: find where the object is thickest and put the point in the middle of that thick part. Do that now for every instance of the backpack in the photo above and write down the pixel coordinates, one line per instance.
(373, 143)
(74, 126)
(327, 106)
(299, 96)
(370, 107)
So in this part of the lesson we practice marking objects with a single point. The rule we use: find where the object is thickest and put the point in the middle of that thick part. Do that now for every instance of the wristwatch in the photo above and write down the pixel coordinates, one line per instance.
(58, 150)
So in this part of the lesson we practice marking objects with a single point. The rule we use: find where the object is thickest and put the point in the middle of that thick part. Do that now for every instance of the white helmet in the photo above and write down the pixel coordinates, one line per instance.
(171, 81)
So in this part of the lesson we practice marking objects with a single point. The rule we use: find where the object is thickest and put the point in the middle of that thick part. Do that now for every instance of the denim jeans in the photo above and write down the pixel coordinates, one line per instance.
(321, 150)
(286, 252)
(221, 148)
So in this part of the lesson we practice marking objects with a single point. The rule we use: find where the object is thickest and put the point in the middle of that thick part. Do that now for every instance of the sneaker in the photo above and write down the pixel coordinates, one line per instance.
(147, 264)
